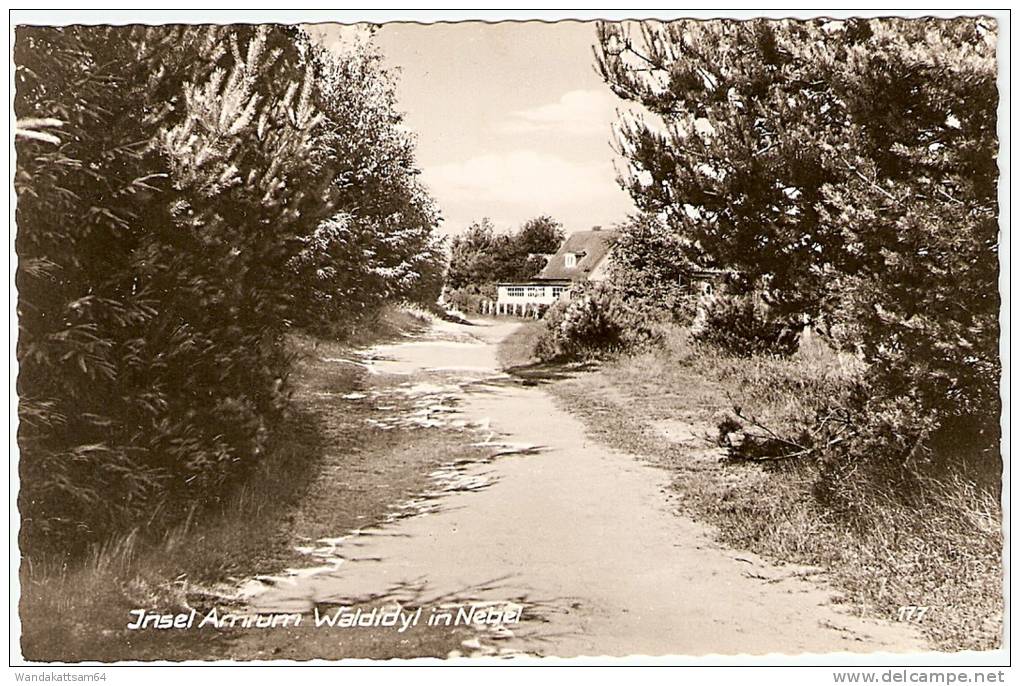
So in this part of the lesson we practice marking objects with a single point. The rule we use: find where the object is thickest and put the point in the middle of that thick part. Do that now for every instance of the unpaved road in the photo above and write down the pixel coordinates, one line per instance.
(582, 536)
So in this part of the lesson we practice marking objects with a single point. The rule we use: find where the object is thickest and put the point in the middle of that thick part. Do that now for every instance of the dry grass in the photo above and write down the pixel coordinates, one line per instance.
(388, 324)
(939, 547)
(518, 349)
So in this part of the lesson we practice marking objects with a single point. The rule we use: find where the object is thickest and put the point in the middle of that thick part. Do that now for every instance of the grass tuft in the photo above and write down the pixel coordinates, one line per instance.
(518, 349)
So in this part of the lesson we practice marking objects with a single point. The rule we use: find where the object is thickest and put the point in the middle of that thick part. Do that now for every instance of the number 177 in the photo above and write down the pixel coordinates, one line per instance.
(912, 613)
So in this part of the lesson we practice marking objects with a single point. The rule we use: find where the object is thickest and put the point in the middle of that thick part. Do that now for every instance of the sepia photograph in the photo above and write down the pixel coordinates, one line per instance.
(467, 340)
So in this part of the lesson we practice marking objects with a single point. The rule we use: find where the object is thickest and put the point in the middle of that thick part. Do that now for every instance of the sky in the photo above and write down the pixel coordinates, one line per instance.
(512, 120)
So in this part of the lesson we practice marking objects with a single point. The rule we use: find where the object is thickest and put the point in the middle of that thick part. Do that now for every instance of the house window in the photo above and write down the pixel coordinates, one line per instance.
(536, 291)
(515, 291)
(570, 260)
(557, 291)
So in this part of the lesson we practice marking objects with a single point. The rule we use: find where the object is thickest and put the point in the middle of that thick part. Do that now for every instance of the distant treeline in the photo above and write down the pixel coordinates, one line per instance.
(480, 257)
(186, 196)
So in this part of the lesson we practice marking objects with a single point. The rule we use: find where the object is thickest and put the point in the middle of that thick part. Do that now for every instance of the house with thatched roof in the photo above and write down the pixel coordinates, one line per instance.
(583, 256)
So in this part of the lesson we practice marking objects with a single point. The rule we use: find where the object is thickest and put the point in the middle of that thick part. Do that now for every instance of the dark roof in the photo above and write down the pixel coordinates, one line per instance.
(593, 244)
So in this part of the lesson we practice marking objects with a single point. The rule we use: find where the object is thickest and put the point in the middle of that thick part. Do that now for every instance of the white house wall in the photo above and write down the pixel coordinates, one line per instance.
(530, 295)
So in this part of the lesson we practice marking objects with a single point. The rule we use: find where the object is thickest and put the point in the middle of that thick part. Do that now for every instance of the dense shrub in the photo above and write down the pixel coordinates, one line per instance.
(168, 180)
(650, 270)
(469, 298)
(594, 322)
(742, 325)
(890, 429)
(890, 444)
(380, 247)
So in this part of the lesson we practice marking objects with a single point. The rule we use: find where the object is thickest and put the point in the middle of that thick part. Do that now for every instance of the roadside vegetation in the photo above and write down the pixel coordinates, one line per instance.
(328, 470)
(837, 175)
(186, 202)
(204, 212)
(520, 348)
(934, 543)
(822, 305)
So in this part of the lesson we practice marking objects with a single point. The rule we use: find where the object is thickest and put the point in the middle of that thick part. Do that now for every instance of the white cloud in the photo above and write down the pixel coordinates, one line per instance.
(580, 112)
(520, 176)
(524, 183)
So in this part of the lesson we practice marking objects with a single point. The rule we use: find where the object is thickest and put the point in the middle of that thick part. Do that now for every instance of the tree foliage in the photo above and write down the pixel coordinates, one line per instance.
(651, 265)
(725, 161)
(480, 257)
(170, 182)
(847, 169)
(380, 245)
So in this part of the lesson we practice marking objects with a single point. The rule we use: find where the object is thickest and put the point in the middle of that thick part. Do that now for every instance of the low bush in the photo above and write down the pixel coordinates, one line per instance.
(469, 299)
(595, 322)
(742, 325)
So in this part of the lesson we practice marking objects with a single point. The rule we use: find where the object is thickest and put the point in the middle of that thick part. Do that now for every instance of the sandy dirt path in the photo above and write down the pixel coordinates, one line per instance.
(583, 537)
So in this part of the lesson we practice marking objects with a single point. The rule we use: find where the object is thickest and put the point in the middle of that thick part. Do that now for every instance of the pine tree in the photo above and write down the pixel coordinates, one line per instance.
(155, 224)
(847, 169)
